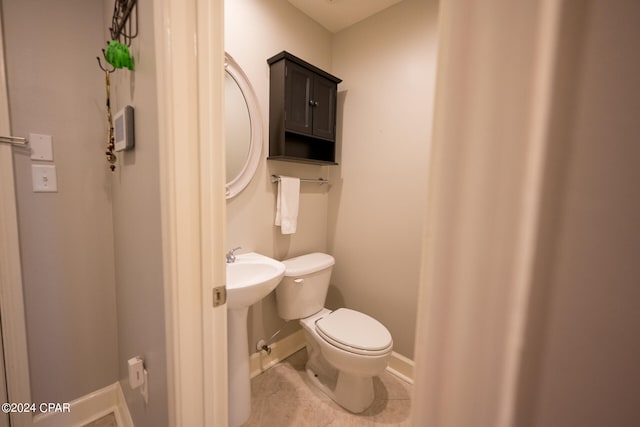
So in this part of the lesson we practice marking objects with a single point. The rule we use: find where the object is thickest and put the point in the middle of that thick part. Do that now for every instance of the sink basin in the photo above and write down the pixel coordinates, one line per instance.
(250, 278)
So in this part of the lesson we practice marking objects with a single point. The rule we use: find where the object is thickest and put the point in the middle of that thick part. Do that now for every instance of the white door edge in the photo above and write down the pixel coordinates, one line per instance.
(190, 56)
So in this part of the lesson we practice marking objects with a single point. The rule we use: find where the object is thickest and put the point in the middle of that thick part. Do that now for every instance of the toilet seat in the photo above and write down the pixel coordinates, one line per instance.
(354, 332)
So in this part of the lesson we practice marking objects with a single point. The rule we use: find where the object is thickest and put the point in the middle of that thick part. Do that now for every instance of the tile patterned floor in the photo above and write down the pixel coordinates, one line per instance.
(283, 396)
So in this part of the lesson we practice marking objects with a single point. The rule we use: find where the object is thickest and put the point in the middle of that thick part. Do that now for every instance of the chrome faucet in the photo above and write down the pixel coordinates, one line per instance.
(231, 256)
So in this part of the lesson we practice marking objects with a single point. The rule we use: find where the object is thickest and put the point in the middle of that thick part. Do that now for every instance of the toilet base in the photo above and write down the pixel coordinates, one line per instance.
(346, 378)
(353, 393)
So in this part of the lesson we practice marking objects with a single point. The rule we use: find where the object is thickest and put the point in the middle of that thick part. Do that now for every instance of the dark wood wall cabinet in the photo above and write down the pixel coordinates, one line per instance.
(302, 111)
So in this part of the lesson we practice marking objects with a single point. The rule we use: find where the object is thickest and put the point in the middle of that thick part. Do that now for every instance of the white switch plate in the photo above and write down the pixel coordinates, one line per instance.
(44, 178)
(41, 147)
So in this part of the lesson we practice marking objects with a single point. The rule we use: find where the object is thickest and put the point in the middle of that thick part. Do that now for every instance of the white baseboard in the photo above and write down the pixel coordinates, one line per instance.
(123, 416)
(399, 365)
(89, 408)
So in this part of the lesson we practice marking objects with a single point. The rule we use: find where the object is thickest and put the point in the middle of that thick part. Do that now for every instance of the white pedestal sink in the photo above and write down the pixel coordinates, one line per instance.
(249, 279)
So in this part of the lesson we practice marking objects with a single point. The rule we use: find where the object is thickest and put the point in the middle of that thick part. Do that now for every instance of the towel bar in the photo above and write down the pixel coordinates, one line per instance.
(16, 140)
(276, 178)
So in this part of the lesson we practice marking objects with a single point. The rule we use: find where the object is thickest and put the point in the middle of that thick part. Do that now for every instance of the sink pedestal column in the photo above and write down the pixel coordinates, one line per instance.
(250, 277)
(239, 381)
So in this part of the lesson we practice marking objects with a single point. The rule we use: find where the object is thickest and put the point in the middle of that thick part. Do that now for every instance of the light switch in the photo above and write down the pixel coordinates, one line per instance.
(41, 148)
(44, 178)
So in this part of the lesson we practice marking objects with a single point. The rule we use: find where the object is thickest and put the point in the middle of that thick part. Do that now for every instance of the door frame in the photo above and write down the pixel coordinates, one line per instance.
(189, 38)
(11, 296)
(449, 380)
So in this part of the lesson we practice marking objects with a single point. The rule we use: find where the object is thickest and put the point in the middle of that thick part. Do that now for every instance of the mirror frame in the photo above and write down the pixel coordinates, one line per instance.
(237, 184)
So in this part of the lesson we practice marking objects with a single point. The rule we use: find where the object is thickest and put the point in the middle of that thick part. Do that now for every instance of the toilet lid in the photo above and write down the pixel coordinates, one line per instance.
(355, 332)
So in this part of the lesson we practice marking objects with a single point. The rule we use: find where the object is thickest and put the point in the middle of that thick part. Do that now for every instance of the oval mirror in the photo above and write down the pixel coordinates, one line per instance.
(243, 128)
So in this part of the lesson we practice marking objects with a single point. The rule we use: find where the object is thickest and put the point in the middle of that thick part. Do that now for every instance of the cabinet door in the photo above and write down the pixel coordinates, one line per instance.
(298, 99)
(324, 108)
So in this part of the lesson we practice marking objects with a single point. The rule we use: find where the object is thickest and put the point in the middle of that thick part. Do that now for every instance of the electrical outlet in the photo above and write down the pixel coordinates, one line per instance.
(136, 372)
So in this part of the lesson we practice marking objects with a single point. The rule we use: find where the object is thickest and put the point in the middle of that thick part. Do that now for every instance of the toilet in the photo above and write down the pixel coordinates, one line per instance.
(346, 348)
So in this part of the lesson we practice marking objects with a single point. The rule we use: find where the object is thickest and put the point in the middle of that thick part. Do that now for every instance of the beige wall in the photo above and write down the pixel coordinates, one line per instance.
(66, 238)
(137, 230)
(376, 206)
(370, 216)
(581, 365)
(255, 31)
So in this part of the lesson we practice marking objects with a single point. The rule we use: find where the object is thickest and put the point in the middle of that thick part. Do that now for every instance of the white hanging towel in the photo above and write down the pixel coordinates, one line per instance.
(287, 204)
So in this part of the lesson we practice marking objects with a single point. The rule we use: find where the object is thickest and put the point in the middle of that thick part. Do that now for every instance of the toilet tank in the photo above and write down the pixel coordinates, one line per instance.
(304, 287)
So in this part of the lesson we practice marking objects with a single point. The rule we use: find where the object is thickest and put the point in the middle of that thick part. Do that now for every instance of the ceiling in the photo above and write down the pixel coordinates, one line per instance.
(336, 15)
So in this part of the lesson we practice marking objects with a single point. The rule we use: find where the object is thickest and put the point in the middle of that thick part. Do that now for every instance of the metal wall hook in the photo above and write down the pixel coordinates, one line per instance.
(100, 64)
(123, 28)
(122, 22)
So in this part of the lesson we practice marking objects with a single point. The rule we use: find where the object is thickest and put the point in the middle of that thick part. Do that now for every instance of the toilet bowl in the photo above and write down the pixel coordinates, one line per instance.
(346, 348)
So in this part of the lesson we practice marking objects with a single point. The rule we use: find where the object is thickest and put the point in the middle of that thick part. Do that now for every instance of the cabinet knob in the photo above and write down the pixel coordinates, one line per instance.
(313, 103)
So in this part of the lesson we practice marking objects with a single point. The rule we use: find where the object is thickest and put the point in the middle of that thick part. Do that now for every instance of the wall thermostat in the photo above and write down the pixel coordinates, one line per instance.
(123, 124)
